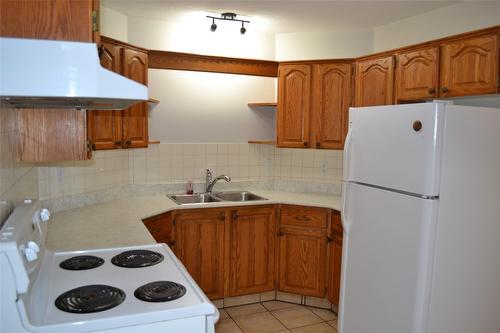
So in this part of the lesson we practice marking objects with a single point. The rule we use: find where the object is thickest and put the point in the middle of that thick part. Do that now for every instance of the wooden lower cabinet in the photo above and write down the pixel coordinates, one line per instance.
(334, 259)
(199, 244)
(302, 257)
(252, 250)
(161, 228)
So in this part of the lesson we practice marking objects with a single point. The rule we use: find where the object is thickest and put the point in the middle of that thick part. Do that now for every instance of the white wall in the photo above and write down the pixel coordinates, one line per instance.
(206, 107)
(209, 107)
(445, 21)
(113, 24)
(194, 36)
(324, 44)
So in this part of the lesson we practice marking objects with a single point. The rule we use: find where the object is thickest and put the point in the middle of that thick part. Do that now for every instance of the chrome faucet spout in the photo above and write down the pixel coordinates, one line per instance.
(209, 184)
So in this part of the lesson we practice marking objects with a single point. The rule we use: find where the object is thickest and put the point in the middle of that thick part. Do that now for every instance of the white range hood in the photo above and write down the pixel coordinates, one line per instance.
(38, 73)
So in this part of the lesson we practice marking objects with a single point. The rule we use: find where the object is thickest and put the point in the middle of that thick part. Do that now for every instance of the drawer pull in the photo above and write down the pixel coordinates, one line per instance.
(302, 218)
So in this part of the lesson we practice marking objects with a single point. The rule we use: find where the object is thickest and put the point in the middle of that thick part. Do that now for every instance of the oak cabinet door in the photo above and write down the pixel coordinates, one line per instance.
(470, 67)
(135, 118)
(105, 126)
(294, 90)
(48, 19)
(199, 244)
(374, 82)
(417, 74)
(161, 228)
(252, 250)
(331, 99)
(302, 261)
(334, 259)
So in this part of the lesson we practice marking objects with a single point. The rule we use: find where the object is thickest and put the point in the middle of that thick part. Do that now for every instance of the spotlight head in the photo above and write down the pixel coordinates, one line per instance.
(243, 30)
(213, 27)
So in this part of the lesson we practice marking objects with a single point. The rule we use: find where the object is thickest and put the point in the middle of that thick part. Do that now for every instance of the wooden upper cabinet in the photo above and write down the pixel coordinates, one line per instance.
(48, 19)
(374, 82)
(47, 134)
(199, 244)
(135, 118)
(105, 126)
(331, 97)
(252, 250)
(294, 91)
(417, 74)
(470, 66)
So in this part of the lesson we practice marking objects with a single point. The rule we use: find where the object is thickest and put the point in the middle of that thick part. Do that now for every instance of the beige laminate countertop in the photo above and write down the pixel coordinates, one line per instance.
(119, 223)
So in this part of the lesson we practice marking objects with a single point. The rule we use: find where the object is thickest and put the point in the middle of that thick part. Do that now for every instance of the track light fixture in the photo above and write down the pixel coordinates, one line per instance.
(228, 17)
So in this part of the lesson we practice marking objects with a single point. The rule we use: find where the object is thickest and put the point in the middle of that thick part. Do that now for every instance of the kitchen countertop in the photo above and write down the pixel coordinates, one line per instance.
(119, 223)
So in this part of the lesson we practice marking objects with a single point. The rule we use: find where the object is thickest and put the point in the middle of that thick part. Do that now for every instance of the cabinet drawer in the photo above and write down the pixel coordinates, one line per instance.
(304, 216)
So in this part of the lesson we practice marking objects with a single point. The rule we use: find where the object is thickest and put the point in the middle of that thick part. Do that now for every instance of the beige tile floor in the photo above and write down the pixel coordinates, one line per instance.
(276, 316)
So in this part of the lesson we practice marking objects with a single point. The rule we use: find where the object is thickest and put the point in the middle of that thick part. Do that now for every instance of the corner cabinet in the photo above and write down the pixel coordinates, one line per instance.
(199, 245)
(302, 250)
(470, 66)
(112, 129)
(252, 250)
(374, 81)
(313, 102)
(294, 92)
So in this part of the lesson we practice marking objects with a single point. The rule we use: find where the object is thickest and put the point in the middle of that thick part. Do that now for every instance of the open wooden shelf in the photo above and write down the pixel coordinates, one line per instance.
(153, 101)
(257, 142)
(154, 142)
(266, 104)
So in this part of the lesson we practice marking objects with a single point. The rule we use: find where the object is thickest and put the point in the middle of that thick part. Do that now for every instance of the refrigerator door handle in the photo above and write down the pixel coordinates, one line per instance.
(347, 154)
(343, 212)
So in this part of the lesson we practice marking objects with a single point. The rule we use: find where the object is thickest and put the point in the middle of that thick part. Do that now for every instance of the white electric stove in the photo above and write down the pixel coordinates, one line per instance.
(125, 290)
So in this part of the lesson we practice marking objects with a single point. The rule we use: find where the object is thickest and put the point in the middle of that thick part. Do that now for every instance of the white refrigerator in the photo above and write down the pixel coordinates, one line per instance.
(421, 217)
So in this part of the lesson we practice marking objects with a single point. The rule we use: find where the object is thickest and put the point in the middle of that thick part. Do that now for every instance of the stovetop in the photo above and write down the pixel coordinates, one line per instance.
(53, 281)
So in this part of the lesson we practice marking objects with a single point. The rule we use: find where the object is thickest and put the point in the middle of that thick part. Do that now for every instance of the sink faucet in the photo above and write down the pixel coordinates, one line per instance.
(209, 183)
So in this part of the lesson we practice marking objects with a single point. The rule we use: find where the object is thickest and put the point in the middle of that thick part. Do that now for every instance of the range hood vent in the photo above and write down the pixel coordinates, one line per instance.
(64, 75)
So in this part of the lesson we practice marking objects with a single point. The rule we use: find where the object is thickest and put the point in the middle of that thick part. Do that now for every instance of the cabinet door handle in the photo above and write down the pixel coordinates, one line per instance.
(306, 143)
(281, 234)
(329, 239)
(445, 90)
(118, 143)
(222, 216)
(432, 91)
(128, 142)
(318, 144)
(302, 218)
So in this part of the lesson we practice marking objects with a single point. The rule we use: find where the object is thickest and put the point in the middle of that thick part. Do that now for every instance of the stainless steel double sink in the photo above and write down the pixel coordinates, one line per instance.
(201, 198)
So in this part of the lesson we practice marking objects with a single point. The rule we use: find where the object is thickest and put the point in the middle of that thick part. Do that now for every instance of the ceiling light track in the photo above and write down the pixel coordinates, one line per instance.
(228, 17)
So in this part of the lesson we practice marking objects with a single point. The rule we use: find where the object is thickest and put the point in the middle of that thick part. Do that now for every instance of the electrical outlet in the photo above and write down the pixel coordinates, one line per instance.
(323, 167)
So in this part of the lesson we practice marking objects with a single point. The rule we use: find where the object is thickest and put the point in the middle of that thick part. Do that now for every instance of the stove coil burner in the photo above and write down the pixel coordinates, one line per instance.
(91, 298)
(137, 258)
(80, 263)
(160, 291)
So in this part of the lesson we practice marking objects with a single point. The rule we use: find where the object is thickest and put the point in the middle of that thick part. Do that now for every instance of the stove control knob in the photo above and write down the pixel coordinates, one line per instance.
(45, 214)
(30, 254)
(34, 246)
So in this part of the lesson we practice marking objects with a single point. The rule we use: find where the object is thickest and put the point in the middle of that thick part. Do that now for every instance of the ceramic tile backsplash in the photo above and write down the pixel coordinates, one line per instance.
(289, 169)
(18, 181)
(107, 169)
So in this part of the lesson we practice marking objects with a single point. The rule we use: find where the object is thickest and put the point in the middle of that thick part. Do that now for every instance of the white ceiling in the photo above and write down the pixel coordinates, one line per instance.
(284, 16)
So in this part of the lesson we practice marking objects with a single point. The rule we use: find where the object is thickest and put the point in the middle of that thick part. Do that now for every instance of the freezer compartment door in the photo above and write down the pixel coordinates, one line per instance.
(387, 260)
(396, 146)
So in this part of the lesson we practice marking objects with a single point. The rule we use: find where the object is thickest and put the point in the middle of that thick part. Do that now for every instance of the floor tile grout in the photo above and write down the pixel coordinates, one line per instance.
(272, 314)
